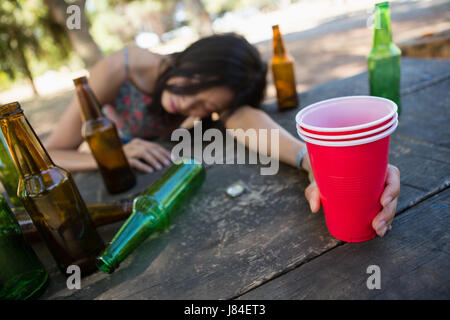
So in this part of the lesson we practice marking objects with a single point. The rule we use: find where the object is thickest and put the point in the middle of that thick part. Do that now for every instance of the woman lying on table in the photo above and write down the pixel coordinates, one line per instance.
(148, 95)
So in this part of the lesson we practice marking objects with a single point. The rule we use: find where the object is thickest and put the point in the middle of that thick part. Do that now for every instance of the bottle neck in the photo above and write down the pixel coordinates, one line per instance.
(26, 150)
(278, 44)
(382, 24)
(89, 105)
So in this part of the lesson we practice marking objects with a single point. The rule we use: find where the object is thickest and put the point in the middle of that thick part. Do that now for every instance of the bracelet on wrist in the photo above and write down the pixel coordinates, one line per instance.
(301, 154)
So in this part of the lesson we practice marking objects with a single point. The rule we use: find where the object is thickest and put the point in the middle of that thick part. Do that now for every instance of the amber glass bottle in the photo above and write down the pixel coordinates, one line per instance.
(50, 196)
(105, 213)
(101, 214)
(104, 142)
(283, 73)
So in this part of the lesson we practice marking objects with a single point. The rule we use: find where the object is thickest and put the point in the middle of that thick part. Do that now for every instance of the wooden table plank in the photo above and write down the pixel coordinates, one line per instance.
(426, 120)
(413, 259)
(220, 247)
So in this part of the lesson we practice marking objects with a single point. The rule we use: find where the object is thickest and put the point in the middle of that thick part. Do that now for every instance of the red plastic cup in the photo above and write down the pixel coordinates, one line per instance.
(348, 137)
(346, 115)
(351, 177)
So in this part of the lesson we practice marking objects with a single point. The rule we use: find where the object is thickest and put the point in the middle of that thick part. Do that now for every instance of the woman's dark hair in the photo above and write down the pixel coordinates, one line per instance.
(218, 60)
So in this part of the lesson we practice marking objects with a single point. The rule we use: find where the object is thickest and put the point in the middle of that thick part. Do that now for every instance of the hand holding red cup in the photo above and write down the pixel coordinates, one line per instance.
(351, 177)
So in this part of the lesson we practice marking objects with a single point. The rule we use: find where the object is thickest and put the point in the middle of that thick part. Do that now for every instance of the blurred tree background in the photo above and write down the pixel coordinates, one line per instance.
(28, 37)
(34, 36)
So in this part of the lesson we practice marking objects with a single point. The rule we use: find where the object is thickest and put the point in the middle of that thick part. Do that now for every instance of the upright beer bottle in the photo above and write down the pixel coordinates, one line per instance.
(50, 196)
(22, 275)
(384, 58)
(104, 142)
(283, 73)
(152, 210)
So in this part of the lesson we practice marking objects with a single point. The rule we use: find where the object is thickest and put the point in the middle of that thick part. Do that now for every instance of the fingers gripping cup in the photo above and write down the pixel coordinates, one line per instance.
(351, 174)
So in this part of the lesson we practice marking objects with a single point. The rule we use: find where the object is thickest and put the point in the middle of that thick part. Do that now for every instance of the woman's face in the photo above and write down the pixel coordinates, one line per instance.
(202, 104)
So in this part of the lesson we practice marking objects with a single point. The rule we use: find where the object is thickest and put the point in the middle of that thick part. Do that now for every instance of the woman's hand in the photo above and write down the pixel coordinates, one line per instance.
(389, 198)
(146, 156)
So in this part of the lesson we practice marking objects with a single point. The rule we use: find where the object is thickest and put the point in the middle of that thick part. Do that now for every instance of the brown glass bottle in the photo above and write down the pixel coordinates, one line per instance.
(104, 142)
(283, 73)
(101, 214)
(50, 196)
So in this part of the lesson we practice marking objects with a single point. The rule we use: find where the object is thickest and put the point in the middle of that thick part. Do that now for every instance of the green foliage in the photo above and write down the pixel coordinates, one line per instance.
(15, 36)
(32, 42)
(104, 19)
(220, 7)
(115, 23)
(29, 34)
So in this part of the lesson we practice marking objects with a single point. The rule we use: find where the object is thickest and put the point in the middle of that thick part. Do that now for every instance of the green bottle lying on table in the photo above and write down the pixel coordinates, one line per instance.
(22, 275)
(152, 211)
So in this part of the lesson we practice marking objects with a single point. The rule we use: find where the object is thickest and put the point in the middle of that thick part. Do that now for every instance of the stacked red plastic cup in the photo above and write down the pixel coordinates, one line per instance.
(348, 146)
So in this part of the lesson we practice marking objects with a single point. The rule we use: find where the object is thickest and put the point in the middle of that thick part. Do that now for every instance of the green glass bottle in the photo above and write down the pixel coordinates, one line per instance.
(152, 211)
(8, 174)
(22, 275)
(384, 58)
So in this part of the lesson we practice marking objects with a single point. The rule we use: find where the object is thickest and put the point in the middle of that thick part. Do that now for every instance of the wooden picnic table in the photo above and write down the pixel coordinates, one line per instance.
(266, 244)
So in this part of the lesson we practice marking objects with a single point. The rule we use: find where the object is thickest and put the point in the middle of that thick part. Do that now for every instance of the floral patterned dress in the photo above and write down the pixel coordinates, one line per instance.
(133, 116)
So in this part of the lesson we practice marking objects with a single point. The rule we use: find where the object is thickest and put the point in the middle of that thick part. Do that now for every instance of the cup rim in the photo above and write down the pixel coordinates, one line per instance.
(342, 133)
(349, 136)
(351, 142)
(301, 113)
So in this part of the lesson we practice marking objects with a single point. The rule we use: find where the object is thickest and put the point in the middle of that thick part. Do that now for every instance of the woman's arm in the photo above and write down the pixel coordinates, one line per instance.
(250, 118)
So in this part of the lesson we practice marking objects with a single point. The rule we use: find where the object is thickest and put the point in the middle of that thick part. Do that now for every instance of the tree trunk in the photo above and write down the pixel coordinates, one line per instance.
(200, 18)
(27, 71)
(157, 24)
(80, 39)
